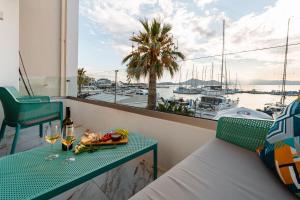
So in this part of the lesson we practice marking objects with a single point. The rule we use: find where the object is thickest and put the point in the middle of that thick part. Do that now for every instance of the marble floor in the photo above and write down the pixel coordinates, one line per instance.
(117, 184)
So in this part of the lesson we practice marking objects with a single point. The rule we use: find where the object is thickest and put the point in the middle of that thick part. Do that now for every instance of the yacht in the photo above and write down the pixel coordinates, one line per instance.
(209, 106)
(217, 103)
(212, 90)
(185, 90)
(241, 112)
(273, 109)
(141, 92)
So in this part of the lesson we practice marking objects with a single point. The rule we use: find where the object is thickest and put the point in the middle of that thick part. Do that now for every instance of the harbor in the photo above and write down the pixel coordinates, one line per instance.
(205, 98)
(249, 99)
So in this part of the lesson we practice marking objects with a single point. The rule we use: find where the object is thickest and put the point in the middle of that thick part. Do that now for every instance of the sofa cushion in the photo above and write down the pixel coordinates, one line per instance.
(281, 152)
(218, 170)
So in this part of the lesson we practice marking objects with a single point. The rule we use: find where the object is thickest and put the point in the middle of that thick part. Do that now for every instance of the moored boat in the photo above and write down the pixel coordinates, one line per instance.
(185, 90)
(241, 112)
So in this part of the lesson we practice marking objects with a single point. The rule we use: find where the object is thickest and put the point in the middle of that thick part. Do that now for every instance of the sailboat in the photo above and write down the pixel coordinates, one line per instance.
(188, 90)
(212, 89)
(213, 98)
(274, 109)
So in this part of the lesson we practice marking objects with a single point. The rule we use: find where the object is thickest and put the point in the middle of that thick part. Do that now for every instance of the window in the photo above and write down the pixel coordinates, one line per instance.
(238, 62)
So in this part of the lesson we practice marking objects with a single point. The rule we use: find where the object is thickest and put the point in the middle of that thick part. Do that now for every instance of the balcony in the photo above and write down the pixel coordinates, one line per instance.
(176, 140)
(196, 157)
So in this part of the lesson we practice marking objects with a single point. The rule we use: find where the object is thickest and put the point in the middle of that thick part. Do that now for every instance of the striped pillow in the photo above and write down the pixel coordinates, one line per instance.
(281, 151)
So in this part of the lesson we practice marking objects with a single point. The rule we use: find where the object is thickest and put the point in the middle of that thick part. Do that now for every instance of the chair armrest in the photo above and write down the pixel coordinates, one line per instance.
(29, 100)
(34, 98)
(33, 110)
(246, 133)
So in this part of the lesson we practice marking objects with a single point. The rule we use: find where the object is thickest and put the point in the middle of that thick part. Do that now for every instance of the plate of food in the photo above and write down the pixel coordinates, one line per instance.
(117, 136)
(91, 142)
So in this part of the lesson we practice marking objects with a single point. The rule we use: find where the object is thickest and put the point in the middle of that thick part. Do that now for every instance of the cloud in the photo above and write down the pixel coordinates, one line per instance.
(200, 33)
(120, 19)
(203, 3)
(265, 29)
(166, 6)
(112, 19)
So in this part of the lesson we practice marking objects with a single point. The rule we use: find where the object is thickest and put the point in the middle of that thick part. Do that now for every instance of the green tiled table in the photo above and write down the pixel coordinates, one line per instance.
(27, 175)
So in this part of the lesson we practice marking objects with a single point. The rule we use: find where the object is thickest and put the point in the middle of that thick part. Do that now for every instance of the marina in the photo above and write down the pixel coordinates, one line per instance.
(207, 98)
(252, 101)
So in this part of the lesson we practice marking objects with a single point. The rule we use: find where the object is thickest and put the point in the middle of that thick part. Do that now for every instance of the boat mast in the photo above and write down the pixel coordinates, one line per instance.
(193, 81)
(235, 82)
(226, 83)
(282, 101)
(202, 76)
(223, 53)
(187, 73)
(196, 77)
(180, 77)
(205, 74)
(229, 84)
(212, 73)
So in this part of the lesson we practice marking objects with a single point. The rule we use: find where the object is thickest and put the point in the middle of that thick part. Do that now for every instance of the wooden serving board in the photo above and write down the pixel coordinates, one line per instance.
(87, 141)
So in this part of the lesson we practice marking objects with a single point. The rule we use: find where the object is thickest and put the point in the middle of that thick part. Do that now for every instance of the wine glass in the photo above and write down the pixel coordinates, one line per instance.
(67, 140)
(52, 134)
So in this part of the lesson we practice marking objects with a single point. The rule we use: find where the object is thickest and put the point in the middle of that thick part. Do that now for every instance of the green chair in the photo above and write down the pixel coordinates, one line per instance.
(26, 111)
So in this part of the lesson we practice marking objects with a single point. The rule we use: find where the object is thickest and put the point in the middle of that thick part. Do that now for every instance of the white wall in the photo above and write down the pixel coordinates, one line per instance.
(72, 46)
(175, 140)
(9, 43)
(40, 44)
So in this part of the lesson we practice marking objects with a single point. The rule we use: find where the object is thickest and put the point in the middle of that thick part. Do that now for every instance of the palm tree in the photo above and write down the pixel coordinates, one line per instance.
(155, 53)
(81, 78)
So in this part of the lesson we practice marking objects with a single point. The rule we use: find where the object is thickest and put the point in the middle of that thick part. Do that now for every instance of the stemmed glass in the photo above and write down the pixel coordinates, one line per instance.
(52, 134)
(67, 140)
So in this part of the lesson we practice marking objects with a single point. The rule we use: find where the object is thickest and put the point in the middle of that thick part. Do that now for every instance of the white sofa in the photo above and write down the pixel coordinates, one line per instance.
(221, 170)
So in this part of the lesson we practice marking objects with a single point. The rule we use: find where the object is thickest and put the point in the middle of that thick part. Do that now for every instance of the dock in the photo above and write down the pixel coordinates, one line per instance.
(287, 93)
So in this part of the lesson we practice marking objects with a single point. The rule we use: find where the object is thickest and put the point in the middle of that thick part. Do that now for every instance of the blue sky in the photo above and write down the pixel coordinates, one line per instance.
(106, 25)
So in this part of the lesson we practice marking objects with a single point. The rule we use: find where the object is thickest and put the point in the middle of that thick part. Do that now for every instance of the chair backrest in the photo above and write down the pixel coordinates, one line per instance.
(13, 91)
(8, 97)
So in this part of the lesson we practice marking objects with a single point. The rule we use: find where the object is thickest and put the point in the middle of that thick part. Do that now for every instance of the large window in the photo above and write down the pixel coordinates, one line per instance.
(240, 59)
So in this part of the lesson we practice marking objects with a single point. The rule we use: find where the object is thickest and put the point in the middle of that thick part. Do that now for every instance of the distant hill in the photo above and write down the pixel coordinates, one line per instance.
(167, 83)
(194, 82)
(273, 82)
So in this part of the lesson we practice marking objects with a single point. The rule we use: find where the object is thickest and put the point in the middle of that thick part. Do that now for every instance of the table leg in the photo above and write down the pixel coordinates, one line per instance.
(155, 162)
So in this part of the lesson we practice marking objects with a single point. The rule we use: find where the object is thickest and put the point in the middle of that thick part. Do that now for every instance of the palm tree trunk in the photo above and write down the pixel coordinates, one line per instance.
(79, 88)
(152, 91)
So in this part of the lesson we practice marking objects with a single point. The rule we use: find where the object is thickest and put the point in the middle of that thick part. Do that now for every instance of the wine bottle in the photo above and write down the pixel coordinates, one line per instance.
(68, 128)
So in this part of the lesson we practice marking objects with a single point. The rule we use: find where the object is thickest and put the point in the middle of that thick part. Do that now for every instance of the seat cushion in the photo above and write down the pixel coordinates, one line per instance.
(281, 151)
(40, 120)
(218, 170)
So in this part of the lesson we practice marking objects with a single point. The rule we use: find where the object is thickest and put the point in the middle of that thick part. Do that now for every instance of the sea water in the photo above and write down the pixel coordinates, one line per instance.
(253, 101)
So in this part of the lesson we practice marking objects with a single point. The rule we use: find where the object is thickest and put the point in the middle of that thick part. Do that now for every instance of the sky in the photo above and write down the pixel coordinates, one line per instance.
(105, 27)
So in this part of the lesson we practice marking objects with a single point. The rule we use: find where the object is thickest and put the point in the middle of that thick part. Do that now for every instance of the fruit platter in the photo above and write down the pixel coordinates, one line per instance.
(118, 136)
(93, 141)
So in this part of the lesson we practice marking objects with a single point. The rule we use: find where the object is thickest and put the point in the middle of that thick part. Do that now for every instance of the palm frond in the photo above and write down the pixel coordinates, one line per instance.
(166, 29)
(155, 28)
(154, 52)
(178, 54)
(145, 24)
(126, 58)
